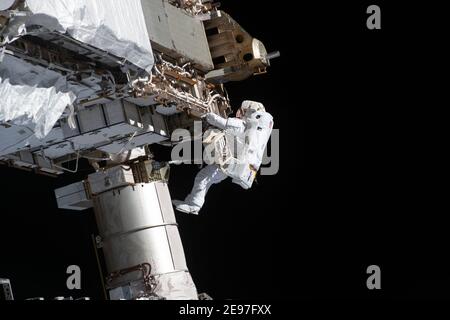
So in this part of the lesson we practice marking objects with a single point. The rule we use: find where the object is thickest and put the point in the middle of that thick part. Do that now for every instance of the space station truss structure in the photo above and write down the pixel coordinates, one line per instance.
(90, 78)
(103, 80)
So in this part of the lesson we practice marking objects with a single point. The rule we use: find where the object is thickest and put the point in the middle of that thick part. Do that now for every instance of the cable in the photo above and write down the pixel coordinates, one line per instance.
(126, 145)
(214, 98)
(114, 154)
(65, 169)
(160, 73)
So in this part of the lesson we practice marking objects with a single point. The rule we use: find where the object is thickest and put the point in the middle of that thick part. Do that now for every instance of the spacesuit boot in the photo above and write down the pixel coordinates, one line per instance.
(205, 178)
(185, 207)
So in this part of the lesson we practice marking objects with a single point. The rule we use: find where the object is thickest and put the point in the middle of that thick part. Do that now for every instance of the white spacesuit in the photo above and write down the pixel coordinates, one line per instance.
(251, 130)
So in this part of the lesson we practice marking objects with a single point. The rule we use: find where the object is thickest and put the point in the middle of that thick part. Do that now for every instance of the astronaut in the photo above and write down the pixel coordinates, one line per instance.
(251, 129)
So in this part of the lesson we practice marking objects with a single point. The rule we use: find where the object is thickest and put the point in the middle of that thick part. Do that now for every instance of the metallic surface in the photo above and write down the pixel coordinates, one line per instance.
(174, 31)
(120, 107)
(138, 225)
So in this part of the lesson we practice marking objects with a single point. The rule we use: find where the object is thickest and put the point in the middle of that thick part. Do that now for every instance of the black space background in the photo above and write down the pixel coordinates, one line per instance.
(353, 189)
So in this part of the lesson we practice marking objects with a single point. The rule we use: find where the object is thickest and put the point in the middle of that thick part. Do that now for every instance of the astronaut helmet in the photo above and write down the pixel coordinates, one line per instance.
(249, 107)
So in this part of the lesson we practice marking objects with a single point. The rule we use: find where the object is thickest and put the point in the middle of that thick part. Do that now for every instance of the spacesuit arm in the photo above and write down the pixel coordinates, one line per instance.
(216, 121)
(232, 124)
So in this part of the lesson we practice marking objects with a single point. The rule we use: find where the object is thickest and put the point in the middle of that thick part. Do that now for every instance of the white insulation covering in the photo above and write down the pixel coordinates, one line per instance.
(35, 98)
(32, 96)
(176, 286)
(115, 26)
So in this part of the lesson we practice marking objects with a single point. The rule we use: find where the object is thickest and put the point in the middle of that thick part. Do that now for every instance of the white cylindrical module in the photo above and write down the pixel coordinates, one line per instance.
(138, 227)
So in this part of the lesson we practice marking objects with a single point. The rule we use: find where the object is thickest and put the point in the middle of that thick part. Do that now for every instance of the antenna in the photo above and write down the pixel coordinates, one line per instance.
(273, 55)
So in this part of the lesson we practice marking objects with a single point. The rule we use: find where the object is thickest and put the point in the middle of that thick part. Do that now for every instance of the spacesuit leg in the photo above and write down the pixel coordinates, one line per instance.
(205, 178)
